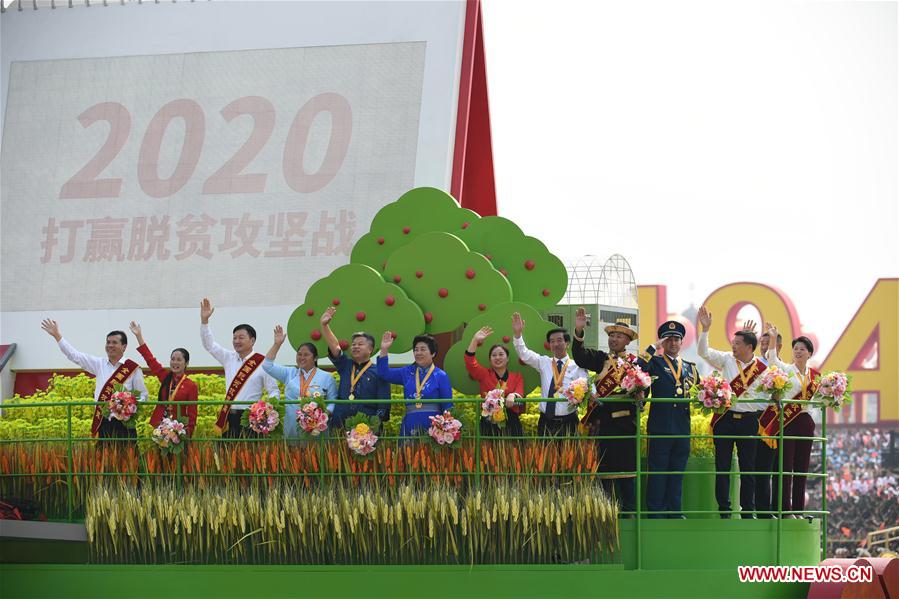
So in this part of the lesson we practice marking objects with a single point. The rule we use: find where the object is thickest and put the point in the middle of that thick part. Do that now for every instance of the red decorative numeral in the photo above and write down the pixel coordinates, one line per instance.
(298, 136)
(194, 133)
(85, 184)
(228, 178)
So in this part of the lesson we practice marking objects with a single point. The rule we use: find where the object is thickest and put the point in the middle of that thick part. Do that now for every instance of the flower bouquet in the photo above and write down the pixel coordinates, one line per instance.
(123, 406)
(493, 408)
(360, 436)
(261, 418)
(834, 390)
(445, 429)
(312, 415)
(634, 380)
(576, 391)
(169, 435)
(712, 394)
(775, 382)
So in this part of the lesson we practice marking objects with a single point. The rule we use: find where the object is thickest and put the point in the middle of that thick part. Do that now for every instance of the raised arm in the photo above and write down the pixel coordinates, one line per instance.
(385, 372)
(771, 354)
(330, 338)
(153, 364)
(89, 363)
(278, 340)
(527, 356)
(217, 351)
(592, 359)
(475, 370)
(714, 357)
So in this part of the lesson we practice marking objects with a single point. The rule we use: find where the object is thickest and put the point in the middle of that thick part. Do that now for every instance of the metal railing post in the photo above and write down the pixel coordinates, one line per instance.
(824, 482)
(71, 461)
(780, 481)
(638, 441)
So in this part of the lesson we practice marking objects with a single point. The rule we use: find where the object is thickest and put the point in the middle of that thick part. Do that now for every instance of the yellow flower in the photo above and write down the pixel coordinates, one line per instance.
(362, 429)
(499, 416)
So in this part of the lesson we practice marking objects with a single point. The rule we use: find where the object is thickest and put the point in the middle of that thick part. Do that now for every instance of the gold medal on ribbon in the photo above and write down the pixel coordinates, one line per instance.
(420, 384)
(351, 397)
(354, 378)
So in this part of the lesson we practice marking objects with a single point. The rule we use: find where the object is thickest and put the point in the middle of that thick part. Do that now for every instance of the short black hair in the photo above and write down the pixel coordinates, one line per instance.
(311, 347)
(369, 338)
(748, 338)
(495, 345)
(184, 353)
(564, 332)
(427, 340)
(245, 327)
(121, 335)
(806, 342)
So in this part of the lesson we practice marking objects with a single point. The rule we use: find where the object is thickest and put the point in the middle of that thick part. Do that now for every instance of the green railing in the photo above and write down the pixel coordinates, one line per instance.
(474, 476)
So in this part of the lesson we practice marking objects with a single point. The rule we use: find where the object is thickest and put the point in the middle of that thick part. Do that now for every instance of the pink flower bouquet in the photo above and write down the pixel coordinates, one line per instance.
(712, 394)
(493, 408)
(169, 435)
(834, 390)
(445, 429)
(261, 417)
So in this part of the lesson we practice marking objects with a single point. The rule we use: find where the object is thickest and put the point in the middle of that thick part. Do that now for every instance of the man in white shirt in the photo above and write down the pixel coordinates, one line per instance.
(556, 418)
(743, 370)
(764, 342)
(110, 370)
(248, 387)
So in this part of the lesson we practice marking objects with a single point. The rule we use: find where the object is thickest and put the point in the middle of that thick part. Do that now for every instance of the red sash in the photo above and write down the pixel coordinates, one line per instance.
(118, 377)
(769, 422)
(604, 387)
(243, 375)
(739, 388)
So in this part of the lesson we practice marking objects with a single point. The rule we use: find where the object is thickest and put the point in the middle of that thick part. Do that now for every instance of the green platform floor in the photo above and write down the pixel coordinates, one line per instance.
(680, 558)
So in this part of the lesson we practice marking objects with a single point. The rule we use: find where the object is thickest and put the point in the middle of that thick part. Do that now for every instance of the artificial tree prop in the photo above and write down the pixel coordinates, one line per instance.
(416, 212)
(499, 318)
(537, 277)
(364, 302)
(448, 281)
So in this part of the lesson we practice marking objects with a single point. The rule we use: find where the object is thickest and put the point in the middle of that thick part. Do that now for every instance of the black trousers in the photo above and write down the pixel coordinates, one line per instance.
(739, 424)
(113, 432)
(235, 430)
(765, 461)
(622, 489)
(562, 426)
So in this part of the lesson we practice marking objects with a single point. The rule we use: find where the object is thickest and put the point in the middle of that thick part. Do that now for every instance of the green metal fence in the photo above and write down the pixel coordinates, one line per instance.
(43, 447)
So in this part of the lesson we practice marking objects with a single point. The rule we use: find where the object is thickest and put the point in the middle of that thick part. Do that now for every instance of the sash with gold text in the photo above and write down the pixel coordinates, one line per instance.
(119, 377)
(739, 387)
(769, 422)
(243, 375)
(605, 386)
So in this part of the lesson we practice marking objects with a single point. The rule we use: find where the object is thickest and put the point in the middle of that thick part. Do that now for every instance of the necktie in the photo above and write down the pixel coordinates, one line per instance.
(551, 405)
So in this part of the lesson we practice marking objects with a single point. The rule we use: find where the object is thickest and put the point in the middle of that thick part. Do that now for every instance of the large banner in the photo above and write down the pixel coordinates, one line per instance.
(134, 182)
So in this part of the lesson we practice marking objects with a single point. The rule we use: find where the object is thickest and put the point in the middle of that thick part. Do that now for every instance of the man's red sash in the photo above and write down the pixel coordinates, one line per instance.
(738, 387)
(769, 422)
(243, 375)
(604, 387)
(118, 377)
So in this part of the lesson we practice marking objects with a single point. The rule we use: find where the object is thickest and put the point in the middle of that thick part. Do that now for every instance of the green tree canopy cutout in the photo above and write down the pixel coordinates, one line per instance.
(499, 318)
(418, 211)
(449, 282)
(364, 302)
(536, 275)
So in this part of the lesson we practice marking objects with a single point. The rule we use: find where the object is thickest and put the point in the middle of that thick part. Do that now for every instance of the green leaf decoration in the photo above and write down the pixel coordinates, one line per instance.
(364, 302)
(537, 276)
(418, 211)
(449, 282)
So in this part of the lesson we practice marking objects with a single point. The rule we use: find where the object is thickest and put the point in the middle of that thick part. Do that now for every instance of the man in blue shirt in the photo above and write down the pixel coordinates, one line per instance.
(358, 375)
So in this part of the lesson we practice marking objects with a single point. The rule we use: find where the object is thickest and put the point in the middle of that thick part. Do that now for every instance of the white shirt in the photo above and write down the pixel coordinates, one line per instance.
(102, 368)
(730, 369)
(232, 362)
(793, 371)
(544, 365)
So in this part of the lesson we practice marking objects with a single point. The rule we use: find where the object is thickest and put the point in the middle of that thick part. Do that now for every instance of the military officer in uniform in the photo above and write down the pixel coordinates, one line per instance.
(611, 418)
(675, 377)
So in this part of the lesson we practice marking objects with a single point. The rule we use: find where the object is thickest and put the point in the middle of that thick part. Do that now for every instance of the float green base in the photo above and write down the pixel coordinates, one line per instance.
(679, 558)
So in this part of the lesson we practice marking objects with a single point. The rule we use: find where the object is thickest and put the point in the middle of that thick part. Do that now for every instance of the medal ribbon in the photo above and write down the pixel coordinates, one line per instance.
(420, 385)
(306, 381)
(558, 376)
(354, 378)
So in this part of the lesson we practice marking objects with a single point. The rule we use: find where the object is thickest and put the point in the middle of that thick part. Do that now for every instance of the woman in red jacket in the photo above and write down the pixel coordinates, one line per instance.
(497, 377)
(176, 386)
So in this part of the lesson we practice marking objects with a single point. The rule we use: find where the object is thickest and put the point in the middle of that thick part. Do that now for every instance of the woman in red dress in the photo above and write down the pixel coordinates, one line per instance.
(176, 386)
(497, 377)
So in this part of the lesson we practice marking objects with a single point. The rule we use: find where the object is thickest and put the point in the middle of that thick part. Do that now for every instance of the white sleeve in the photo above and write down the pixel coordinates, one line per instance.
(531, 358)
(773, 358)
(217, 351)
(138, 384)
(714, 357)
(92, 364)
